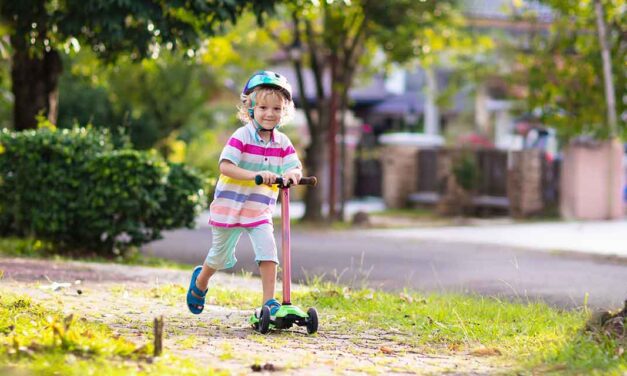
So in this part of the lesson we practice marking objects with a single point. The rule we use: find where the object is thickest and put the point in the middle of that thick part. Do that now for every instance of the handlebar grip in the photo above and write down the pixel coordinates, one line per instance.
(308, 180)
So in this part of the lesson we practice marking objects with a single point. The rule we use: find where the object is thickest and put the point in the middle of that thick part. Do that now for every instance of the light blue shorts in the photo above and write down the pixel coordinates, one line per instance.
(222, 252)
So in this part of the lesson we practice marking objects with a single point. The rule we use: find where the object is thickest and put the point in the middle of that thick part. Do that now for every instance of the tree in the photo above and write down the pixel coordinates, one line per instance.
(563, 70)
(331, 39)
(608, 80)
(40, 29)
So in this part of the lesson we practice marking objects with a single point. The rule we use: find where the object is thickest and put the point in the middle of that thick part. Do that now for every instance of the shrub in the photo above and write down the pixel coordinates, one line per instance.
(72, 188)
(40, 174)
(466, 171)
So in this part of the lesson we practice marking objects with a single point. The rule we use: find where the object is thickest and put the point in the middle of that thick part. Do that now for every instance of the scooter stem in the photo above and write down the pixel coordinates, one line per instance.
(287, 262)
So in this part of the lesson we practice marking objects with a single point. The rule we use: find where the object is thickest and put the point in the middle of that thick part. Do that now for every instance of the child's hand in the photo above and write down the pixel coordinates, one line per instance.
(268, 177)
(293, 176)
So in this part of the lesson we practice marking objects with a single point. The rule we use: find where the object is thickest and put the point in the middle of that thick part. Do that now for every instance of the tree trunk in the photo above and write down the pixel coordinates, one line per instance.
(610, 96)
(35, 86)
(314, 164)
(608, 77)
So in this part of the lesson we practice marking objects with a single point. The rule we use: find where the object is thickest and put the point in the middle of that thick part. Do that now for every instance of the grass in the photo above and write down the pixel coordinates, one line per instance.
(531, 335)
(34, 339)
(32, 248)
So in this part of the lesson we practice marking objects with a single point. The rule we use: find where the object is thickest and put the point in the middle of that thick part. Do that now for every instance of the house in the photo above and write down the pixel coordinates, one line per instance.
(405, 102)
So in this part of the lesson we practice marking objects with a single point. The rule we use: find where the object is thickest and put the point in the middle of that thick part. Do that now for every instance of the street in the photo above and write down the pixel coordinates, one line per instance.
(358, 259)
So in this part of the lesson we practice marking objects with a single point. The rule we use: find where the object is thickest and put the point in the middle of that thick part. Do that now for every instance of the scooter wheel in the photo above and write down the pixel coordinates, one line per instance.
(264, 320)
(312, 321)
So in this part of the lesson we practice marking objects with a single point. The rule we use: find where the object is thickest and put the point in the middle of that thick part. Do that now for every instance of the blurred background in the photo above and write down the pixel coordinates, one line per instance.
(478, 108)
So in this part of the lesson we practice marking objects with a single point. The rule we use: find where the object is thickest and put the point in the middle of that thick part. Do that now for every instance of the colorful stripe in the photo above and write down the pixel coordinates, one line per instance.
(230, 225)
(241, 212)
(242, 203)
(243, 197)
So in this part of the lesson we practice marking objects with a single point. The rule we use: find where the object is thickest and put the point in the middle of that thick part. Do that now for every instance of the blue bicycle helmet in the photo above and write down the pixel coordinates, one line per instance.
(270, 79)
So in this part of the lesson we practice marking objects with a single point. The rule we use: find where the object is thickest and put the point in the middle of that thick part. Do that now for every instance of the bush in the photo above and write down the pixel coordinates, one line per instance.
(40, 174)
(466, 171)
(72, 188)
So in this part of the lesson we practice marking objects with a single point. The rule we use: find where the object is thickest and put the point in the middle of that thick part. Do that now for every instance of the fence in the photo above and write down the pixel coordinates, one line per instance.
(521, 182)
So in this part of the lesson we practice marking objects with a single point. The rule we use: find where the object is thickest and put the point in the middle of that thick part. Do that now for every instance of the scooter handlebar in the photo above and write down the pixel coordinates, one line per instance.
(306, 180)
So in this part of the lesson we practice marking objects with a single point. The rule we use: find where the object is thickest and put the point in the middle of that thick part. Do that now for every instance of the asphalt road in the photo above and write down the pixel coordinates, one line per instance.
(357, 259)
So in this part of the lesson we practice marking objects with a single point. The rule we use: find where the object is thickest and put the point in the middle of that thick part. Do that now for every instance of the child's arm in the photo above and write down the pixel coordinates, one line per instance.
(231, 170)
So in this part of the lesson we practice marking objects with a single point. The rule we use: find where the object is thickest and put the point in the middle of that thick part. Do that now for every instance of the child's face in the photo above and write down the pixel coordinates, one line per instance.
(268, 110)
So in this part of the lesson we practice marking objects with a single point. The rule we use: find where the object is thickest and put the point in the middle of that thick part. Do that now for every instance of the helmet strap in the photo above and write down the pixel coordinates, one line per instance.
(262, 129)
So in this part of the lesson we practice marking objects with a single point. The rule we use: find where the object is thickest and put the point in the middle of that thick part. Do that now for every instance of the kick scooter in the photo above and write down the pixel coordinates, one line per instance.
(288, 314)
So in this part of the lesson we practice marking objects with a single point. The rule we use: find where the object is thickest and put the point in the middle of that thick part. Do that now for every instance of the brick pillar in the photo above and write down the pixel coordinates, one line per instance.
(591, 172)
(524, 183)
(399, 174)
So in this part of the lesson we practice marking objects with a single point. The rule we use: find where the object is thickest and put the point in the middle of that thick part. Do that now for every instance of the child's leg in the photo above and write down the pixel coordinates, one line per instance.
(203, 278)
(264, 245)
(267, 269)
(220, 256)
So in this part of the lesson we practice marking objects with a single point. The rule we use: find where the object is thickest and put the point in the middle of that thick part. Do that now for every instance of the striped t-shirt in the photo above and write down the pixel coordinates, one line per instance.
(242, 203)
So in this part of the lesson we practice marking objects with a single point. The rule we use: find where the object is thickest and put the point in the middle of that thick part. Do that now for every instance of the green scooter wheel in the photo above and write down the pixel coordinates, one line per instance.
(264, 320)
(312, 321)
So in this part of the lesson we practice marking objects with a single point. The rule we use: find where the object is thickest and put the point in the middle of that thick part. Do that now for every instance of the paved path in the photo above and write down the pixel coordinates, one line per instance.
(397, 259)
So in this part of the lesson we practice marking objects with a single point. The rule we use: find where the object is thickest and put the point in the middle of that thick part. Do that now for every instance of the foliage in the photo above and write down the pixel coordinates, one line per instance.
(184, 197)
(35, 339)
(6, 98)
(466, 171)
(408, 30)
(72, 188)
(82, 102)
(24, 247)
(159, 99)
(40, 172)
(562, 71)
(114, 27)
(49, 331)
(38, 30)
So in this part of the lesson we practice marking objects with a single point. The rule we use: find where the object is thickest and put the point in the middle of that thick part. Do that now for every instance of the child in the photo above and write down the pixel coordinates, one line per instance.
(239, 205)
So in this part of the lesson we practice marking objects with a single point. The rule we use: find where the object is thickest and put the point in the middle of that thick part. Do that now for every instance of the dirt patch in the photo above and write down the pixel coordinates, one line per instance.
(220, 337)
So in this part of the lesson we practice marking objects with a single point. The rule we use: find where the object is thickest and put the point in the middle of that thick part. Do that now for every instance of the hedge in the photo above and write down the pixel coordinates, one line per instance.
(73, 188)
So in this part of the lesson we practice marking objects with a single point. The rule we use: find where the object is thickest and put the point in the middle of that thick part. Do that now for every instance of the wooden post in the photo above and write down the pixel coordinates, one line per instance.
(158, 331)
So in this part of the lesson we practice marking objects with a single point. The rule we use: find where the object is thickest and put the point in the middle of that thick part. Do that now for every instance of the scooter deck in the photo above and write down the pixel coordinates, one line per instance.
(285, 318)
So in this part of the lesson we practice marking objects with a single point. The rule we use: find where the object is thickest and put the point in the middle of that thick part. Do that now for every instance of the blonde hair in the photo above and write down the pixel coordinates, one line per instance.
(260, 92)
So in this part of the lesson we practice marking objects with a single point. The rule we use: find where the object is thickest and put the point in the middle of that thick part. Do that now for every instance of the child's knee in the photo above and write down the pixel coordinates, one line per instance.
(219, 262)
(261, 262)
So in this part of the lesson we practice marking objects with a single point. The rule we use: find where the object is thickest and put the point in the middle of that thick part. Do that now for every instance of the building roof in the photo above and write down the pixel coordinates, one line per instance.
(505, 9)
(407, 103)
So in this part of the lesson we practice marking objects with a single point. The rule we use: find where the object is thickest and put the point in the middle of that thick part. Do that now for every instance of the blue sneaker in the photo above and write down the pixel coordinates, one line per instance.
(196, 303)
(274, 306)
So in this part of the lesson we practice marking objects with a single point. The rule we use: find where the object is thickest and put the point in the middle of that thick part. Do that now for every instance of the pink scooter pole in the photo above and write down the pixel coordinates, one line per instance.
(285, 226)
(287, 261)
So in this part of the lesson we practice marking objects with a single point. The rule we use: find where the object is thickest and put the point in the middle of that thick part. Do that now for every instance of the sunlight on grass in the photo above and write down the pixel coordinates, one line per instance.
(42, 341)
(33, 248)
(532, 334)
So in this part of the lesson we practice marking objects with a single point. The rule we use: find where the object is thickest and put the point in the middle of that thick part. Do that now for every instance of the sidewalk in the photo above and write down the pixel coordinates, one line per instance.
(603, 237)
(594, 237)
